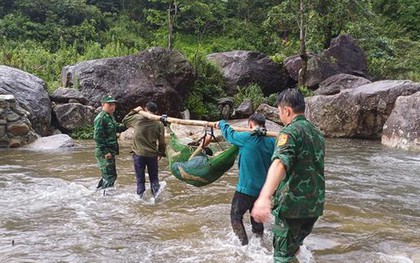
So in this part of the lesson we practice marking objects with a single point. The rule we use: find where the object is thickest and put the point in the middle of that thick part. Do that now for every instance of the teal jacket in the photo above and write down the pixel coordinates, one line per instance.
(255, 153)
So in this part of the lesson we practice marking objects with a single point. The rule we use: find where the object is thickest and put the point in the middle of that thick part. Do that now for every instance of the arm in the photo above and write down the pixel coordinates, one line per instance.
(233, 137)
(100, 135)
(130, 118)
(121, 127)
(262, 206)
(207, 140)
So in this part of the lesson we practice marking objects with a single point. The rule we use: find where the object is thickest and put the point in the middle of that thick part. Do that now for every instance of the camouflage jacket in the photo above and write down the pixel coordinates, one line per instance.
(300, 147)
(105, 133)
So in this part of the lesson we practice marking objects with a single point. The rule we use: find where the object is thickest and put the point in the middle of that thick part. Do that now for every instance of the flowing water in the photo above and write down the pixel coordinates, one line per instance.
(50, 212)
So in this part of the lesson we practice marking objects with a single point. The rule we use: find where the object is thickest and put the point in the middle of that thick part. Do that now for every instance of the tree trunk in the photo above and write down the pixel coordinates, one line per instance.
(172, 9)
(302, 51)
(328, 35)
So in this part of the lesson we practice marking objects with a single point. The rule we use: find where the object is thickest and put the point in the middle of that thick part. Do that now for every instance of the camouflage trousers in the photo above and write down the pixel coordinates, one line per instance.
(289, 234)
(107, 168)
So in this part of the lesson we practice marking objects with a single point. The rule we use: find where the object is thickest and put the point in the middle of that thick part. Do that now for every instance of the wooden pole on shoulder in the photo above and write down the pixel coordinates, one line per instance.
(197, 123)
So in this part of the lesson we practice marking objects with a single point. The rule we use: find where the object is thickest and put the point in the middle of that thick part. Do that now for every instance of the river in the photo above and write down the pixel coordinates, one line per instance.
(50, 211)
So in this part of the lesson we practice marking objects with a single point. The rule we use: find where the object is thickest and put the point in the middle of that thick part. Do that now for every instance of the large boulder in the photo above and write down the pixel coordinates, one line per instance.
(30, 93)
(335, 84)
(15, 127)
(402, 129)
(242, 68)
(359, 112)
(66, 95)
(343, 56)
(347, 55)
(160, 75)
(269, 112)
(244, 110)
(53, 142)
(72, 116)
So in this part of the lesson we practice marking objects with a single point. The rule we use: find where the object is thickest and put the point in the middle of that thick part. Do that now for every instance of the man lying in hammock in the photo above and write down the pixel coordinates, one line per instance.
(199, 166)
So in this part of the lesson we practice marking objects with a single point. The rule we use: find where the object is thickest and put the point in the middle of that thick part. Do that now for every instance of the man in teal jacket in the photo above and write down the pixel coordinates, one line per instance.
(255, 151)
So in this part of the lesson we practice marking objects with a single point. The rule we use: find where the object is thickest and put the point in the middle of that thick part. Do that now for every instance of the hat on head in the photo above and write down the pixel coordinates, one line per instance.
(108, 99)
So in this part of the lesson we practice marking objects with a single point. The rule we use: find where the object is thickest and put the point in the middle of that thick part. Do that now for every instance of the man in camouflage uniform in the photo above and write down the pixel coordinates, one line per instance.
(296, 176)
(105, 134)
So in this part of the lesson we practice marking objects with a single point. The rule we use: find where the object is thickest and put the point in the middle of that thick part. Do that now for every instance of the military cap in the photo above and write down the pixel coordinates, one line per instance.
(108, 99)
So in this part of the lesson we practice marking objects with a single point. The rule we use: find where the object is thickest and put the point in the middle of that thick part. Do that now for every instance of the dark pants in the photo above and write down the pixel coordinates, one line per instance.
(240, 204)
(140, 164)
(289, 234)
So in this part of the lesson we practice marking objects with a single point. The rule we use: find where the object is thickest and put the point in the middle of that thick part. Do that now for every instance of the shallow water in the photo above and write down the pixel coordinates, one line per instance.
(51, 212)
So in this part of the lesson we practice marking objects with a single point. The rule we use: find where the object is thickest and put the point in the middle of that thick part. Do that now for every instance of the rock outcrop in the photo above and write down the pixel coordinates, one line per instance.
(159, 75)
(343, 56)
(71, 116)
(360, 112)
(30, 94)
(402, 128)
(15, 127)
(53, 142)
(270, 113)
(242, 68)
(335, 84)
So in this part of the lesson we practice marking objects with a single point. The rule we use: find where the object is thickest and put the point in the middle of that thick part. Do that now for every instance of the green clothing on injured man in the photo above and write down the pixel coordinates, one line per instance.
(105, 135)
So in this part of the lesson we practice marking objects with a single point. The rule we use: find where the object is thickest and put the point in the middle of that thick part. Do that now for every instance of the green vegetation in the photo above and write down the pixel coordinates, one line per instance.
(42, 36)
(253, 93)
(83, 133)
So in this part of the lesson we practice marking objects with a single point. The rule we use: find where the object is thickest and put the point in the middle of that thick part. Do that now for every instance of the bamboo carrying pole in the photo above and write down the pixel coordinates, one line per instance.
(197, 123)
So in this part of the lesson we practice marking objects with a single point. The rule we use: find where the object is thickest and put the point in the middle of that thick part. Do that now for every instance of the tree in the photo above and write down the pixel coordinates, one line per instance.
(303, 24)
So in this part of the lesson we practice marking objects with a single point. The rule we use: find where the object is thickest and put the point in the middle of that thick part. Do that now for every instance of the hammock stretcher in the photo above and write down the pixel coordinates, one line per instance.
(202, 169)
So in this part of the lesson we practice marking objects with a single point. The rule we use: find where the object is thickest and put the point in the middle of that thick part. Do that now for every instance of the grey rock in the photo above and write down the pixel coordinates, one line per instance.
(402, 128)
(30, 93)
(335, 84)
(269, 112)
(244, 110)
(360, 112)
(71, 116)
(64, 95)
(343, 56)
(157, 75)
(53, 142)
(242, 68)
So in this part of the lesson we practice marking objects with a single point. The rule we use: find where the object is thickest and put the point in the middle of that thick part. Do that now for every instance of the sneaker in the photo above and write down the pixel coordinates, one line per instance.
(155, 190)
(141, 195)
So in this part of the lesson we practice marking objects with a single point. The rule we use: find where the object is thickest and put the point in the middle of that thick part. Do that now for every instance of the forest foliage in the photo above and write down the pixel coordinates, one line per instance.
(43, 36)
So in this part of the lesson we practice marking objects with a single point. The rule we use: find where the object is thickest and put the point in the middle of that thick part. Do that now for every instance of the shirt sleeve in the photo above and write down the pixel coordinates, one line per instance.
(285, 150)
(130, 119)
(233, 137)
(100, 134)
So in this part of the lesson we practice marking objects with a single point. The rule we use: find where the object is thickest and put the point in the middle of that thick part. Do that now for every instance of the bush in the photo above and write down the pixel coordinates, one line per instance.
(83, 133)
(208, 88)
(252, 92)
